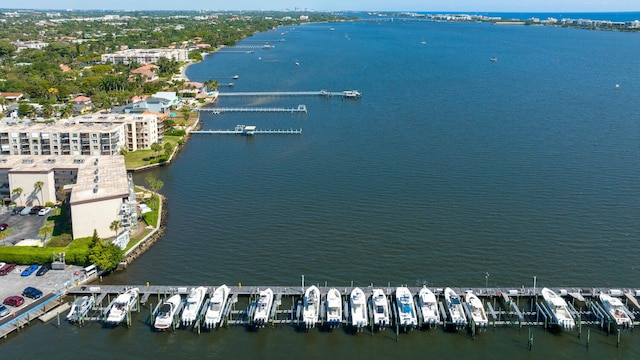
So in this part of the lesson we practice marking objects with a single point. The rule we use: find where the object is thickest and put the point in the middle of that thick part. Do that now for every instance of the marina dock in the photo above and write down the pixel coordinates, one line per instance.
(517, 307)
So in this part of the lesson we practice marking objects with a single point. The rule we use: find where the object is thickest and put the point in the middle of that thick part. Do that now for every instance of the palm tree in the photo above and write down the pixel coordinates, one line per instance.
(17, 192)
(38, 188)
(115, 226)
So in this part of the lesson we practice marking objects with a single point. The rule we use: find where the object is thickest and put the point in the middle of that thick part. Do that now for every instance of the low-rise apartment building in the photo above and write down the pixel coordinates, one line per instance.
(100, 189)
(145, 56)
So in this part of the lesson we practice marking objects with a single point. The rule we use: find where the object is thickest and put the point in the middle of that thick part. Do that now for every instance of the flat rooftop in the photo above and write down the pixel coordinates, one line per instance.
(99, 177)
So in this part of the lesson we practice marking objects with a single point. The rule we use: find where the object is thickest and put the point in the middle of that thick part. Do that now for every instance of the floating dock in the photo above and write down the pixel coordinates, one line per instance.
(248, 130)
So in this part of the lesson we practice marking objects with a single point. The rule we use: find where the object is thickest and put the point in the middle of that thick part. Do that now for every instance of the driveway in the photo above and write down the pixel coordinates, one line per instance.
(24, 226)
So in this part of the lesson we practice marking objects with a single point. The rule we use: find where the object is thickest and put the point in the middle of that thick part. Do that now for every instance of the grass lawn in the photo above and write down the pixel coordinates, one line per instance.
(136, 159)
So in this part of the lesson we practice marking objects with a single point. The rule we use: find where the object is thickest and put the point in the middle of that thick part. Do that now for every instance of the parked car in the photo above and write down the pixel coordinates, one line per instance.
(3, 227)
(44, 211)
(32, 293)
(43, 269)
(4, 311)
(35, 210)
(29, 270)
(2, 265)
(7, 269)
(14, 300)
(17, 210)
(26, 210)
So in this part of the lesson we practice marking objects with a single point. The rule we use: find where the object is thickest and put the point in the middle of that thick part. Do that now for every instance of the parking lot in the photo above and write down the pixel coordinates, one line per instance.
(51, 282)
(24, 226)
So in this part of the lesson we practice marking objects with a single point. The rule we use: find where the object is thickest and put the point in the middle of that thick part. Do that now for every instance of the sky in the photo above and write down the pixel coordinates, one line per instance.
(339, 5)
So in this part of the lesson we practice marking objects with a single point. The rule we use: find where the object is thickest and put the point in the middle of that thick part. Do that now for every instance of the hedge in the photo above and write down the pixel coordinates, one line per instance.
(76, 253)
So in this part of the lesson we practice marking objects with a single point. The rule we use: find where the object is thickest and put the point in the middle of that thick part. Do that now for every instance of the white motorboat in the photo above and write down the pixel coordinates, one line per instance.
(559, 309)
(119, 308)
(380, 306)
(215, 307)
(80, 308)
(428, 307)
(351, 94)
(616, 310)
(476, 308)
(167, 312)
(263, 308)
(311, 306)
(407, 317)
(192, 306)
(334, 308)
(454, 307)
(358, 303)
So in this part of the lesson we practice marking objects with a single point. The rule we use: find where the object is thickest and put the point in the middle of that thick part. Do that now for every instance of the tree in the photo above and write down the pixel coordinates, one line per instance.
(105, 256)
(37, 186)
(155, 147)
(17, 192)
(154, 184)
(168, 149)
(115, 226)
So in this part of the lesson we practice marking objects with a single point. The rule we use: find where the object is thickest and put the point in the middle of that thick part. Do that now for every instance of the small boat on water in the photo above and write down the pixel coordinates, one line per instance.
(192, 306)
(215, 307)
(358, 304)
(334, 308)
(616, 309)
(80, 308)
(454, 307)
(476, 308)
(311, 306)
(559, 309)
(428, 307)
(407, 317)
(351, 94)
(121, 306)
(167, 312)
(380, 308)
(263, 308)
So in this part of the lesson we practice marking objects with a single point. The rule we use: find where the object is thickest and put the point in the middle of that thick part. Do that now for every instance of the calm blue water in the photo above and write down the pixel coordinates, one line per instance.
(449, 167)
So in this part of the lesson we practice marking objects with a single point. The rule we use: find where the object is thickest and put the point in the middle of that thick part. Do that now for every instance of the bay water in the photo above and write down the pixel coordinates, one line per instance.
(449, 167)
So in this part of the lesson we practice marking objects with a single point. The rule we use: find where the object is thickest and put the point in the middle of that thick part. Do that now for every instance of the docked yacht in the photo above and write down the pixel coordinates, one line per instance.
(119, 308)
(263, 308)
(167, 312)
(334, 308)
(428, 307)
(407, 317)
(358, 303)
(215, 307)
(311, 306)
(476, 308)
(80, 308)
(351, 94)
(559, 309)
(454, 307)
(193, 305)
(380, 306)
(616, 310)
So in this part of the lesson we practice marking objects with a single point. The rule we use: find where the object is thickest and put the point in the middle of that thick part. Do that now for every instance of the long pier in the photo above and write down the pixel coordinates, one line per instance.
(248, 130)
(344, 94)
(299, 109)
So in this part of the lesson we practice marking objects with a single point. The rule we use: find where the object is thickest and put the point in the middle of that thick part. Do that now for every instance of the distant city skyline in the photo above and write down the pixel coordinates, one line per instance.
(343, 5)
